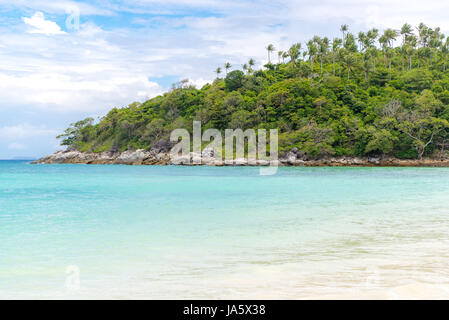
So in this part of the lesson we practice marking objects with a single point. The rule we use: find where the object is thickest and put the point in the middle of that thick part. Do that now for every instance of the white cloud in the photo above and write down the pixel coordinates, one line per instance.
(42, 26)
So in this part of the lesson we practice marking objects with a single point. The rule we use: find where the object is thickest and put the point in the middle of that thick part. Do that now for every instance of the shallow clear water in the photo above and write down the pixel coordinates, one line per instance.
(205, 232)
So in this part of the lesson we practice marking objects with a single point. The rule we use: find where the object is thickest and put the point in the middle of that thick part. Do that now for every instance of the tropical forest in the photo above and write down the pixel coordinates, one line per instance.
(374, 93)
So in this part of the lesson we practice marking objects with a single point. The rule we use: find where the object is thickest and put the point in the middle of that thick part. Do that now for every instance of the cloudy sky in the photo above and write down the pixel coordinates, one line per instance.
(61, 61)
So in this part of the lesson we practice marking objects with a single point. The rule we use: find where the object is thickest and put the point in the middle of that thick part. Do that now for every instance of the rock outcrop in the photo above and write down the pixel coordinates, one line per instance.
(160, 156)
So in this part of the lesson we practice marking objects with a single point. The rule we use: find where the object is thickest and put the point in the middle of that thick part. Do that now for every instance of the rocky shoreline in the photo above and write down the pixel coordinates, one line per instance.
(293, 158)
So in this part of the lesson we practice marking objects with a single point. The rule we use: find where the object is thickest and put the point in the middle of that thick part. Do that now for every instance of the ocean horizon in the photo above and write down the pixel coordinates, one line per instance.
(157, 232)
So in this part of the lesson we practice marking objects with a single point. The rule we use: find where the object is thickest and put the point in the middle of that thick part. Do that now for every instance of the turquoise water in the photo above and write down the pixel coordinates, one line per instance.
(206, 232)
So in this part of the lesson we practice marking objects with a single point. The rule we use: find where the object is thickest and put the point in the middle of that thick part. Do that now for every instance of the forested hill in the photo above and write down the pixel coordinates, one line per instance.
(371, 94)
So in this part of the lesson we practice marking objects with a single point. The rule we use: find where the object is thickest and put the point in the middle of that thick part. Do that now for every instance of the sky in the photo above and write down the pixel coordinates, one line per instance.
(62, 61)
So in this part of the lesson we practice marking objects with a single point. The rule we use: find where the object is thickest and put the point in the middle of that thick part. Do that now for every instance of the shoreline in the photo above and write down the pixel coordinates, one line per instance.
(142, 157)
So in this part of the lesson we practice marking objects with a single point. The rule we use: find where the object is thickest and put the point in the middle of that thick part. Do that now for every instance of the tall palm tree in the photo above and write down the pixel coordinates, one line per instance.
(294, 52)
(412, 42)
(367, 67)
(361, 38)
(423, 33)
(389, 54)
(371, 54)
(349, 43)
(218, 71)
(349, 61)
(390, 35)
(344, 28)
(336, 45)
(311, 49)
(245, 67)
(227, 67)
(323, 49)
(384, 44)
(406, 31)
(251, 64)
(445, 52)
(371, 36)
(280, 53)
(270, 49)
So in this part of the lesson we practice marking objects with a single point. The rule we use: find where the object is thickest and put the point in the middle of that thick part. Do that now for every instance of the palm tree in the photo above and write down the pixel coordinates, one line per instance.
(280, 53)
(412, 41)
(445, 52)
(349, 61)
(251, 64)
(344, 28)
(323, 48)
(284, 56)
(361, 37)
(371, 36)
(387, 41)
(311, 48)
(367, 67)
(245, 67)
(349, 43)
(270, 49)
(227, 67)
(341, 53)
(294, 52)
(423, 33)
(406, 31)
(336, 44)
(218, 71)
(389, 54)
(390, 36)
(384, 43)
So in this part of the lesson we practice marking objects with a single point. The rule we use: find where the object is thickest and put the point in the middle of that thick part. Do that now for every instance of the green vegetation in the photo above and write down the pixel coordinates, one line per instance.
(352, 96)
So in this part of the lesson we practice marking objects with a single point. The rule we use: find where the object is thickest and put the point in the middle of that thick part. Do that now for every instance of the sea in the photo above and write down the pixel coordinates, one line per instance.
(72, 231)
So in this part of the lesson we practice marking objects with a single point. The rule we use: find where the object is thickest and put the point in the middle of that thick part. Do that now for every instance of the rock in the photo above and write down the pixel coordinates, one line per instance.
(162, 146)
(156, 157)
(208, 152)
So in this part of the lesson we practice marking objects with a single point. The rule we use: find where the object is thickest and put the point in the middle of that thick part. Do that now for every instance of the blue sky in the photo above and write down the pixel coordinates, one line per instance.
(54, 71)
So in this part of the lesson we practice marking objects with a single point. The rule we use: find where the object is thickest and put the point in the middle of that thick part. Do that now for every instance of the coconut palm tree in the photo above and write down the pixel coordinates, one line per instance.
(384, 44)
(311, 50)
(412, 42)
(349, 43)
(423, 34)
(245, 67)
(280, 53)
(389, 54)
(251, 64)
(406, 31)
(294, 52)
(227, 66)
(390, 35)
(371, 36)
(323, 49)
(445, 52)
(349, 62)
(218, 71)
(270, 49)
(336, 45)
(361, 38)
(367, 67)
(344, 28)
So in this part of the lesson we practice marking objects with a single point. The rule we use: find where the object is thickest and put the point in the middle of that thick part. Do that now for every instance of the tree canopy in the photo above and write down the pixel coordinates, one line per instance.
(359, 95)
